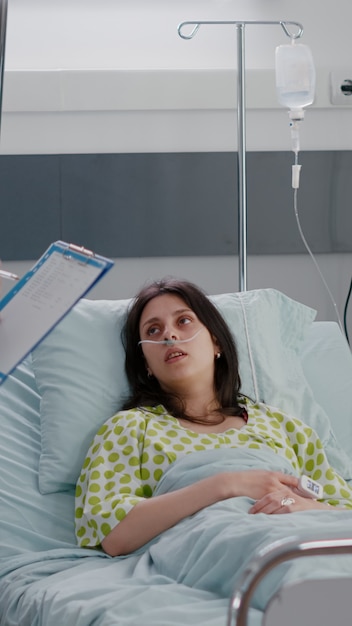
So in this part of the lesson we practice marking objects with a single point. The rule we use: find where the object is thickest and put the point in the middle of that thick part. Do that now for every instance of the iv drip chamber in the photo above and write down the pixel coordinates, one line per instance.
(295, 75)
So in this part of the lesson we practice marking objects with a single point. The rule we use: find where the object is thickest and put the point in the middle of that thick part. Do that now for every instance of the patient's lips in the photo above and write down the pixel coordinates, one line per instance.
(174, 355)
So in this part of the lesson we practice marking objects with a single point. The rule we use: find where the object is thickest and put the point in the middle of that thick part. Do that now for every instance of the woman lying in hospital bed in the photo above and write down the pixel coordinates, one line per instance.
(186, 410)
(55, 402)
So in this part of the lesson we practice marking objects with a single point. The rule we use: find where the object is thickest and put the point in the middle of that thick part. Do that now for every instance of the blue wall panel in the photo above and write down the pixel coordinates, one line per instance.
(176, 204)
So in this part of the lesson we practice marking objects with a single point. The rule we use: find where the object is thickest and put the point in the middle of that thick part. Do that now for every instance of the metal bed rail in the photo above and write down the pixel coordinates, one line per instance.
(270, 557)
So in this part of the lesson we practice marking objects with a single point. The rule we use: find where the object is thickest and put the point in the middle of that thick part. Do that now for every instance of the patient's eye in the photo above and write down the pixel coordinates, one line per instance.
(185, 320)
(153, 330)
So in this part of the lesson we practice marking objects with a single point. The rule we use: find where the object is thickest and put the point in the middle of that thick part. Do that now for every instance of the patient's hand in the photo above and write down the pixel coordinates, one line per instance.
(260, 483)
(286, 501)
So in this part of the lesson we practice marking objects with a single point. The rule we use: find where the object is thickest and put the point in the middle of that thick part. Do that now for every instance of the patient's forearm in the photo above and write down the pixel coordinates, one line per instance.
(152, 516)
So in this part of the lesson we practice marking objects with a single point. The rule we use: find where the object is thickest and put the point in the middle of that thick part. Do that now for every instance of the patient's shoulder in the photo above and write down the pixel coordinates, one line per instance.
(136, 417)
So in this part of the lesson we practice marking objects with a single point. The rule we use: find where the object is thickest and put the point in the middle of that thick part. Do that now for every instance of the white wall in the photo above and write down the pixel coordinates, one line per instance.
(142, 34)
(114, 76)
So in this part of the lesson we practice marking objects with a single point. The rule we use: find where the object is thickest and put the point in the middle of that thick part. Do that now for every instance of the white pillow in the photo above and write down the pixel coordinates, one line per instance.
(79, 370)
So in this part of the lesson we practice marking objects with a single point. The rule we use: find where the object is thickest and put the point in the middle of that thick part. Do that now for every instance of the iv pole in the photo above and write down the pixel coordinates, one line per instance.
(3, 22)
(241, 124)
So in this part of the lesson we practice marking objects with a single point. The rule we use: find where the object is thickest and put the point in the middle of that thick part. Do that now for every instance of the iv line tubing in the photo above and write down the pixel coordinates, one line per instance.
(345, 312)
(241, 125)
(295, 204)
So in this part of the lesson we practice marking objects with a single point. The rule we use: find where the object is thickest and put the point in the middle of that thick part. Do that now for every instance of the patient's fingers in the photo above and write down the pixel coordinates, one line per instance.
(285, 501)
(289, 480)
(277, 502)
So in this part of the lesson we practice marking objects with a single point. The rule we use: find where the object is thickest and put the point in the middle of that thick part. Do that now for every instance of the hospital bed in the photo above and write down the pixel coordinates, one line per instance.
(51, 407)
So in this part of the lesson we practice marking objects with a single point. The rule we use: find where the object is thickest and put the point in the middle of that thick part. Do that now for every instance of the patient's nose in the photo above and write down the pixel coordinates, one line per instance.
(170, 335)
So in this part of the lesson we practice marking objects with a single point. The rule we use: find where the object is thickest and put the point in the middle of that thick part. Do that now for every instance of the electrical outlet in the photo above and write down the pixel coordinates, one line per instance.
(341, 87)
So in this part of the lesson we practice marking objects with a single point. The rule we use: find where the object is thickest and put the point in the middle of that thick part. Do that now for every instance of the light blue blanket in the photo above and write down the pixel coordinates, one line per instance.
(210, 549)
(191, 568)
(183, 578)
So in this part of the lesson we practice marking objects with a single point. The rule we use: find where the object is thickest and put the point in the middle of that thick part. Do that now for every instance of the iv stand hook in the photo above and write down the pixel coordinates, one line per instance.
(197, 24)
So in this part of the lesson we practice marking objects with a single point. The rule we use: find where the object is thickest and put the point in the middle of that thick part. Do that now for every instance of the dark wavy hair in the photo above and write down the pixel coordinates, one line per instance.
(145, 390)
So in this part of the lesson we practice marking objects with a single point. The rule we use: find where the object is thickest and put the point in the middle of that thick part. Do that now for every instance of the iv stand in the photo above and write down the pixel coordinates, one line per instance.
(241, 124)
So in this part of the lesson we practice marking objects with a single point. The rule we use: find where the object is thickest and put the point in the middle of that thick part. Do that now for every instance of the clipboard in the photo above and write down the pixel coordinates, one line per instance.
(43, 296)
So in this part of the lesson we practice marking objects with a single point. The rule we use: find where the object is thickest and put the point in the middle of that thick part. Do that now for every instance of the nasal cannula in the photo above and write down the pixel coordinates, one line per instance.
(171, 342)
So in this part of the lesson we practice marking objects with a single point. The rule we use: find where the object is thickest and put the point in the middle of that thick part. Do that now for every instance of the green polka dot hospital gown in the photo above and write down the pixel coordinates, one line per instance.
(132, 450)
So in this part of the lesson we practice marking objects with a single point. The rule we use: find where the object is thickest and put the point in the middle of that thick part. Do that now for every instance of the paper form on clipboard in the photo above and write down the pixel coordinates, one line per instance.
(45, 294)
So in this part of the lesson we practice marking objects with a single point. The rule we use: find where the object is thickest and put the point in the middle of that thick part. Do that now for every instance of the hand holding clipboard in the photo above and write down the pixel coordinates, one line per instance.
(42, 297)
(8, 275)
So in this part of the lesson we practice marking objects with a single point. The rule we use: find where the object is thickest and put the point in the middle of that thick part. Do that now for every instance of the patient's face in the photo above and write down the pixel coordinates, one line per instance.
(182, 364)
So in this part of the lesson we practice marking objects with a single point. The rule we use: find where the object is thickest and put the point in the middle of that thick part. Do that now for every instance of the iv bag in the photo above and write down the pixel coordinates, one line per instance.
(295, 75)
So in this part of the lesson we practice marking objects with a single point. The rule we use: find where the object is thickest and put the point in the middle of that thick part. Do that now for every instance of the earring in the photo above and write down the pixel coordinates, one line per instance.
(218, 355)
